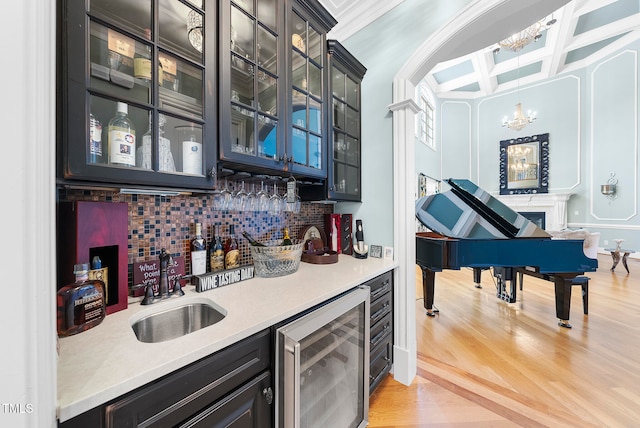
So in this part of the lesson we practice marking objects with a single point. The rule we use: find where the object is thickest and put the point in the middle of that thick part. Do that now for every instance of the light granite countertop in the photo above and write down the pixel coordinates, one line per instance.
(107, 361)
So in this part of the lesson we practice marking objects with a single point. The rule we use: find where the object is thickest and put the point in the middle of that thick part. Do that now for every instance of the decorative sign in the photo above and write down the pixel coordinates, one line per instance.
(211, 280)
(148, 273)
(168, 64)
(120, 43)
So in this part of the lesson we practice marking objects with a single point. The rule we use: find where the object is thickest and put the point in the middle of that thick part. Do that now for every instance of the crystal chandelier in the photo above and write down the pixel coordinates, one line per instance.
(194, 29)
(521, 39)
(519, 120)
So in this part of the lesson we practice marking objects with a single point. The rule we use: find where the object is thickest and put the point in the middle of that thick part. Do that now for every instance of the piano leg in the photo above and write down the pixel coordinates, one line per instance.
(428, 287)
(477, 274)
(563, 300)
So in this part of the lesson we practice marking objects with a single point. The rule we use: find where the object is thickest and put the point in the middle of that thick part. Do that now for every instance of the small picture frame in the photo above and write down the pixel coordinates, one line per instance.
(376, 251)
(388, 253)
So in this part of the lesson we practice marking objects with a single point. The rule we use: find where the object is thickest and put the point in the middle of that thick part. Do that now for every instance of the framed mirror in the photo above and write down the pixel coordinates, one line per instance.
(524, 165)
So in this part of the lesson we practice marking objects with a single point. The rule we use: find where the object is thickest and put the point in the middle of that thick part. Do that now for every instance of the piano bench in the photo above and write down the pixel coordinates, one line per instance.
(581, 280)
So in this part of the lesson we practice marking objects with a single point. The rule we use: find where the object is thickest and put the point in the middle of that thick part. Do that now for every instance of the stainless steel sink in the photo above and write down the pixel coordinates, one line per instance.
(169, 323)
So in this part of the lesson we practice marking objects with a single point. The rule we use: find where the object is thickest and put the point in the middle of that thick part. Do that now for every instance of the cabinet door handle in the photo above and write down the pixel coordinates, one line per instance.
(268, 395)
(212, 174)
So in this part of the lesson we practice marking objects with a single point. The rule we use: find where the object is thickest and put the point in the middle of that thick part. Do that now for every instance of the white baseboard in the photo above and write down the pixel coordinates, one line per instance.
(404, 365)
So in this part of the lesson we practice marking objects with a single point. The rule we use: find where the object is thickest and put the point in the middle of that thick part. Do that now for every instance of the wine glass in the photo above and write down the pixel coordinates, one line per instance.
(263, 199)
(218, 200)
(241, 199)
(275, 201)
(227, 197)
(251, 203)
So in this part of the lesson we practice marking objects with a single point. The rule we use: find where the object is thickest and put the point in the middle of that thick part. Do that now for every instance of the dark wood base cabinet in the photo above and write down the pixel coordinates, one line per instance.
(381, 339)
(231, 388)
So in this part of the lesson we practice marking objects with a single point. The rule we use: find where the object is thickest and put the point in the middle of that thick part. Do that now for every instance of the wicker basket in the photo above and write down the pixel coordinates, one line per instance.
(275, 259)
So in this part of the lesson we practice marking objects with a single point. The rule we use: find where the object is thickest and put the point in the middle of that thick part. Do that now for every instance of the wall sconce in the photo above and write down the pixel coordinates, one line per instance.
(609, 189)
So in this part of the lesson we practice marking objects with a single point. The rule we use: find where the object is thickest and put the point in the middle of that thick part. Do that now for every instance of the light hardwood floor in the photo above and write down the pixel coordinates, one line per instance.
(484, 362)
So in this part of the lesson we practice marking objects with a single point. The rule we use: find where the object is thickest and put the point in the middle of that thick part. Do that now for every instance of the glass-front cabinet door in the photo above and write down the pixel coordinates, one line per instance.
(344, 169)
(344, 147)
(272, 104)
(249, 99)
(138, 105)
(308, 144)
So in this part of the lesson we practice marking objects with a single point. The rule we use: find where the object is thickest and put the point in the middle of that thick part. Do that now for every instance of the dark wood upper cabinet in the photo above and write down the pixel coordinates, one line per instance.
(254, 95)
(344, 137)
(150, 59)
(273, 91)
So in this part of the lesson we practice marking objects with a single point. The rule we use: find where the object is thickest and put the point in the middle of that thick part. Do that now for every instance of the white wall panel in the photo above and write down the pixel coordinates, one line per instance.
(614, 131)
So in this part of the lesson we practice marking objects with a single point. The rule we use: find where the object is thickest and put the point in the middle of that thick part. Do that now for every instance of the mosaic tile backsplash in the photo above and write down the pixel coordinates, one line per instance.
(157, 222)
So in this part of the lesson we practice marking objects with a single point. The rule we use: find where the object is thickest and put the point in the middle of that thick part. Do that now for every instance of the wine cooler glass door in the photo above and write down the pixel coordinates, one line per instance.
(324, 365)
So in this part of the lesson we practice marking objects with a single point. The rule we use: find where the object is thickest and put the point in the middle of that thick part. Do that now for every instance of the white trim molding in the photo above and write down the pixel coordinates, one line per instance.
(404, 192)
(595, 186)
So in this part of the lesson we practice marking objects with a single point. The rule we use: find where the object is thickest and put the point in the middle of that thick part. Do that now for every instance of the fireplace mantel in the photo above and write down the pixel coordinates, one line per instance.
(554, 205)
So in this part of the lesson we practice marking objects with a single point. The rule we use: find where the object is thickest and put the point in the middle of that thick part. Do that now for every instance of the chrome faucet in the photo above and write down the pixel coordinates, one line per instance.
(164, 293)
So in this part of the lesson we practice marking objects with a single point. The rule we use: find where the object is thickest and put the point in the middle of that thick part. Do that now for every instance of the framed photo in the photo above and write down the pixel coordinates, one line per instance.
(388, 253)
(376, 251)
(524, 165)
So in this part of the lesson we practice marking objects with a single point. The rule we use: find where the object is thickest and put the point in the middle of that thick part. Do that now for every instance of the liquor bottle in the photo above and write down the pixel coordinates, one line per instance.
(95, 139)
(142, 60)
(122, 138)
(231, 250)
(216, 253)
(80, 305)
(198, 252)
(286, 240)
(143, 153)
(252, 241)
(166, 157)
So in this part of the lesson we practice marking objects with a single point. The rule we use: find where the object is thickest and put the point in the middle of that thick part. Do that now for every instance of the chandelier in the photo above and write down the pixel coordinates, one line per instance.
(194, 29)
(519, 120)
(521, 39)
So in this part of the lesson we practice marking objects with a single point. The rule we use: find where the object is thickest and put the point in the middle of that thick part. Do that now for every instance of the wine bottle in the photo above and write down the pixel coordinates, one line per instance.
(216, 253)
(95, 139)
(286, 240)
(252, 241)
(122, 138)
(198, 252)
(231, 250)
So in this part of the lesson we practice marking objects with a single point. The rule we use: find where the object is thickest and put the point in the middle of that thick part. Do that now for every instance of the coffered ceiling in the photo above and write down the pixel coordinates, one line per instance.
(584, 32)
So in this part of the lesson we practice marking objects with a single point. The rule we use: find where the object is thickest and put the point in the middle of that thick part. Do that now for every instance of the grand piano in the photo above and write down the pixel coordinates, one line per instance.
(471, 228)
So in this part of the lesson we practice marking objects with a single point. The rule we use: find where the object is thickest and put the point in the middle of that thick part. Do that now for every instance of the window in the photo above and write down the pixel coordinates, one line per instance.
(425, 131)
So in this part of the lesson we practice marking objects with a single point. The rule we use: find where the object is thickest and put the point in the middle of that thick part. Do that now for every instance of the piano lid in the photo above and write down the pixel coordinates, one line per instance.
(467, 211)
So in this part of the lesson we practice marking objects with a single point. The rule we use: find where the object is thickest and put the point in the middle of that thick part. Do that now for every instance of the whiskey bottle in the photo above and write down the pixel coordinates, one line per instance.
(198, 252)
(80, 305)
(231, 250)
(122, 138)
(216, 253)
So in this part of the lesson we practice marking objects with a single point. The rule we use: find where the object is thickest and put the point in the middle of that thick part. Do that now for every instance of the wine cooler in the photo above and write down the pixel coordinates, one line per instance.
(322, 365)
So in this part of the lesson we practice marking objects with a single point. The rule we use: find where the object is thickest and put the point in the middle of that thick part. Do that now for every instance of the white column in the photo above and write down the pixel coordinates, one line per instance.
(28, 358)
(404, 191)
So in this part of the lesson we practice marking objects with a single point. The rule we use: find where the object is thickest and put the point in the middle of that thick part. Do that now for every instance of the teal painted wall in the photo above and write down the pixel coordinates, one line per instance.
(383, 47)
(592, 118)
